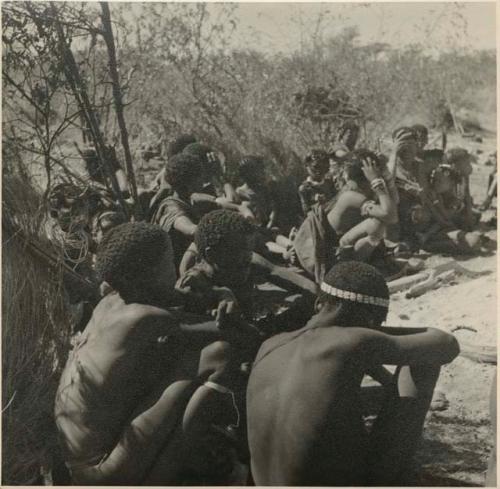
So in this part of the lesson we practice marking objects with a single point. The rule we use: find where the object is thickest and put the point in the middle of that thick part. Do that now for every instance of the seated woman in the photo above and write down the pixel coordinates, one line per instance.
(145, 397)
(360, 214)
(453, 237)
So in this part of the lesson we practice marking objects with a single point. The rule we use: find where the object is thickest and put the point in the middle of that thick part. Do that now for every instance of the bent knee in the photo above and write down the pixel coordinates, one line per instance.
(215, 357)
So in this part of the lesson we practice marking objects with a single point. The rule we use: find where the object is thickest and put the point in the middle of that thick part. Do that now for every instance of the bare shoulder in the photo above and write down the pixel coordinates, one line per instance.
(338, 340)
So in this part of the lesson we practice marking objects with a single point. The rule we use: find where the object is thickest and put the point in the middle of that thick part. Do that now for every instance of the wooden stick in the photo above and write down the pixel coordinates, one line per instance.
(73, 76)
(117, 97)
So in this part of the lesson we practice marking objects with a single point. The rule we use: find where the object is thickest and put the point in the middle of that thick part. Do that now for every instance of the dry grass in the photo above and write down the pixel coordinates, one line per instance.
(35, 335)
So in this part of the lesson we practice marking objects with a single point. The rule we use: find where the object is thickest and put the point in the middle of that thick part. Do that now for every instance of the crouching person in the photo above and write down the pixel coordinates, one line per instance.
(145, 398)
(304, 407)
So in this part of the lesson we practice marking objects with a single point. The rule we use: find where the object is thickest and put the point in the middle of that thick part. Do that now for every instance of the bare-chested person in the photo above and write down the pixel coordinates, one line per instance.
(146, 397)
(304, 406)
(361, 212)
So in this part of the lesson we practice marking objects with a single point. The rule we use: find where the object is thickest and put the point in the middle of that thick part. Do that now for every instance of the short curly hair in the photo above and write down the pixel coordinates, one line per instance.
(182, 169)
(251, 165)
(178, 144)
(207, 156)
(361, 278)
(128, 253)
(354, 164)
(222, 226)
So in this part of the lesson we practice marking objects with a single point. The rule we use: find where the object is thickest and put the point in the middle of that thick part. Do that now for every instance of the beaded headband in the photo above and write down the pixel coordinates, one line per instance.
(353, 296)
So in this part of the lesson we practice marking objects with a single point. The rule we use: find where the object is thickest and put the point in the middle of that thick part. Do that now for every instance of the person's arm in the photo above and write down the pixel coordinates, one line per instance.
(386, 209)
(243, 208)
(380, 374)
(185, 226)
(188, 259)
(304, 194)
(410, 346)
(283, 277)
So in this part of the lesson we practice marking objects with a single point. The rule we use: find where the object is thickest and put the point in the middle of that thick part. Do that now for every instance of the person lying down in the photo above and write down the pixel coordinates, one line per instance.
(146, 395)
(304, 407)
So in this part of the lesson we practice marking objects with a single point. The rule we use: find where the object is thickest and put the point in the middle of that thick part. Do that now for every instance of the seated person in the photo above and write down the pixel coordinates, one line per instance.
(360, 214)
(213, 179)
(317, 188)
(259, 194)
(304, 405)
(432, 235)
(145, 396)
(177, 214)
(222, 256)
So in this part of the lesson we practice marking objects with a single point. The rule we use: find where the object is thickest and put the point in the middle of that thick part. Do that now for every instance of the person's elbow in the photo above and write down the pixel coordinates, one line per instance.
(448, 346)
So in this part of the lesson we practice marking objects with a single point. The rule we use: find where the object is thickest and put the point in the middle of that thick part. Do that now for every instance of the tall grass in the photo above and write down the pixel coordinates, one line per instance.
(35, 337)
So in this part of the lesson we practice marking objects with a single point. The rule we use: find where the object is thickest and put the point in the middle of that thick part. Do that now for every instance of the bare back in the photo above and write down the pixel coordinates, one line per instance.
(121, 355)
(304, 413)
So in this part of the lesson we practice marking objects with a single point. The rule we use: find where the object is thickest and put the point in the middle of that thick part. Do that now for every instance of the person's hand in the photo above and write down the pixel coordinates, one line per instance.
(245, 211)
(227, 309)
(370, 169)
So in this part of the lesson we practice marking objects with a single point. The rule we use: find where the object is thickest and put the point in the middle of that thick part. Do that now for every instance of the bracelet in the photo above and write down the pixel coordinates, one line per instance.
(217, 387)
(378, 184)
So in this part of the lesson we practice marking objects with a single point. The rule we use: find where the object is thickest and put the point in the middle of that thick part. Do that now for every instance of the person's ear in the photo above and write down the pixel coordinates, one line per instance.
(210, 255)
(105, 288)
(318, 305)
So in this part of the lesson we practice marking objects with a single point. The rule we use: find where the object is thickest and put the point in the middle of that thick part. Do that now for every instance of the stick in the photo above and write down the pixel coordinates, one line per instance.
(117, 97)
(81, 97)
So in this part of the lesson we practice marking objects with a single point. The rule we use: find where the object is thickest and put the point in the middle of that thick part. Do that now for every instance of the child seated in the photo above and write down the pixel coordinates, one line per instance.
(304, 396)
(146, 392)
(177, 214)
(222, 256)
(318, 187)
(258, 193)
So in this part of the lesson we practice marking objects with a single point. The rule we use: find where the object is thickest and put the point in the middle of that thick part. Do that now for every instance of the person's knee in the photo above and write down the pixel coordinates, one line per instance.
(217, 357)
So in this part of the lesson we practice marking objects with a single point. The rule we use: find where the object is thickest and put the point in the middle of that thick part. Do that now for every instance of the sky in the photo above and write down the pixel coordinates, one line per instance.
(280, 26)
(272, 27)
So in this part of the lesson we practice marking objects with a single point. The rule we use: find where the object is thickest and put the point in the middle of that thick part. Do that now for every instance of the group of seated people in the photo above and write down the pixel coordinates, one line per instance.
(176, 380)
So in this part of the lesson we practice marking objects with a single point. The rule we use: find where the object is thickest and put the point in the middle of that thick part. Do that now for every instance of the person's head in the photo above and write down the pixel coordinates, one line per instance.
(421, 135)
(407, 138)
(353, 165)
(178, 144)
(225, 240)
(461, 160)
(443, 179)
(419, 215)
(68, 205)
(317, 164)
(208, 157)
(355, 294)
(136, 260)
(106, 221)
(348, 134)
(252, 170)
(184, 173)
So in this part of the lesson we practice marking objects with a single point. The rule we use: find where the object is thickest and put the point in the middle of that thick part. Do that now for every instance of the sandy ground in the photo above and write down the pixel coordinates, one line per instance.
(457, 439)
